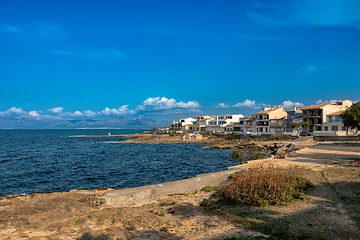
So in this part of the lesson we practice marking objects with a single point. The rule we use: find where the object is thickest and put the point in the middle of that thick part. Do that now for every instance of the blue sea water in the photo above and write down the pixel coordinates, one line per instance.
(57, 160)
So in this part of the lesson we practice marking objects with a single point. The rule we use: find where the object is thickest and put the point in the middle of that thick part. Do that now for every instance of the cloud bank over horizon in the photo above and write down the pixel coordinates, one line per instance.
(155, 106)
(158, 106)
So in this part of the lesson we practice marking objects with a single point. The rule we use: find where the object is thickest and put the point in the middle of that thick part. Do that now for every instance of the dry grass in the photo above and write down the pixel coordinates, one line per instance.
(263, 185)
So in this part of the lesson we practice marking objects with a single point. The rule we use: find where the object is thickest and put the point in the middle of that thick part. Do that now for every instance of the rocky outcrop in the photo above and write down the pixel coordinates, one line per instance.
(192, 137)
(278, 149)
(281, 150)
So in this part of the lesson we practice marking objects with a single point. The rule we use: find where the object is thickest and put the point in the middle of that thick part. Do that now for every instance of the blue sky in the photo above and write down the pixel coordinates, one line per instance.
(171, 59)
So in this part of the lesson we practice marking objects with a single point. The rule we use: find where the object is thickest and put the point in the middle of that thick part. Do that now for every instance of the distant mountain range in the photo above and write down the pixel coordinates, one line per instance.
(11, 122)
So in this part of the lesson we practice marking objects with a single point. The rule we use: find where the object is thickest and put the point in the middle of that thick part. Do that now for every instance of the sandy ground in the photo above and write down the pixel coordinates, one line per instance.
(76, 214)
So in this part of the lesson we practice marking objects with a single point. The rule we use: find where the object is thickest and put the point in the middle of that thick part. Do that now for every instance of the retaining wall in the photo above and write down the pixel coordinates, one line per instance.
(337, 138)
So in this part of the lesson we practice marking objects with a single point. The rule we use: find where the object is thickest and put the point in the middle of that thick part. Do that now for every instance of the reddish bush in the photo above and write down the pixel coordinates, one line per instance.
(262, 185)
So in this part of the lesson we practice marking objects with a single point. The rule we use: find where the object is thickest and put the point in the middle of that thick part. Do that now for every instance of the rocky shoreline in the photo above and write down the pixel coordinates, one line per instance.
(278, 148)
(79, 214)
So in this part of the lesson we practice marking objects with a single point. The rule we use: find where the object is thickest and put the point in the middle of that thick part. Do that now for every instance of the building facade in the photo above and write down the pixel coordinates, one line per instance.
(270, 120)
(316, 116)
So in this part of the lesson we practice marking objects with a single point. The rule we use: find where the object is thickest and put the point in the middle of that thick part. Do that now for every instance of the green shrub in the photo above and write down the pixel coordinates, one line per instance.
(233, 136)
(263, 185)
(237, 156)
(210, 188)
(280, 137)
(172, 134)
(251, 153)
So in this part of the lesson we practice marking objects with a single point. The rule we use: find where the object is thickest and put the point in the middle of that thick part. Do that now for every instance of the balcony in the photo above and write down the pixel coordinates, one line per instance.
(276, 125)
(264, 124)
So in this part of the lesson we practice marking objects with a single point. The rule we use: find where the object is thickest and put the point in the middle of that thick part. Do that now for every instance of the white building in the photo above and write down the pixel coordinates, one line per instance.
(218, 123)
(200, 124)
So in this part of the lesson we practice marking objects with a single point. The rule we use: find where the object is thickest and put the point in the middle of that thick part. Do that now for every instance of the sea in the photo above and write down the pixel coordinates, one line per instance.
(45, 161)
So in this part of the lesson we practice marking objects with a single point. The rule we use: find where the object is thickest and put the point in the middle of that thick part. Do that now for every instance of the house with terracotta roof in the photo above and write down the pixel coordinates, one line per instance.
(200, 124)
(316, 116)
(293, 116)
(270, 120)
(334, 122)
(183, 125)
(249, 124)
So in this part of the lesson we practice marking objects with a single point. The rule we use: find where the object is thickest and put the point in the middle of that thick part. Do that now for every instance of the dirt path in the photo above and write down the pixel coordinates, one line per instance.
(73, 215)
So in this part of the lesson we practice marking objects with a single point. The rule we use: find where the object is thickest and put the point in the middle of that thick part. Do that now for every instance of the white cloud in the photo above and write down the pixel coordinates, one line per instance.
(222, 105)
(13, 111)
(34, 114)
(89, 113)
(57, 110)
(123, 110)
(246, 103)
(320, 101)
(289, 104)
(190, 104)
(76, 114)
(164, 103)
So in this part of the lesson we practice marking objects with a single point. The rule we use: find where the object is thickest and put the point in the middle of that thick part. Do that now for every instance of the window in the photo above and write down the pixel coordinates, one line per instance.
(326, 128)
(334, 128)
(343, 128)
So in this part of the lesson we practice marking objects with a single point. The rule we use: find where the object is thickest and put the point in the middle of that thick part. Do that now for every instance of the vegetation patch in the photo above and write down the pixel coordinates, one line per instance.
(280, 137)
(267, 220)
(263, 185)
(211, 188)
(247, 154)
(233, 136)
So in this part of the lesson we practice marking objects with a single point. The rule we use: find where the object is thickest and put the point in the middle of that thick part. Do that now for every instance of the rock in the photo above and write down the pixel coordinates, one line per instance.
(283, 150)
(192, 137)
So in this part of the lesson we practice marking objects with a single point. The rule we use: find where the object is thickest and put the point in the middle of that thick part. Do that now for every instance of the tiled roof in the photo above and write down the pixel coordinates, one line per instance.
(336, 113)
(252, 118)
(268, 111)
(315, 106)
(275, 119)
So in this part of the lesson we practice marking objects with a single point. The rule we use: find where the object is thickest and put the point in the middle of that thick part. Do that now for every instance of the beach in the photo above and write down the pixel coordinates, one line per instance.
(86, 214)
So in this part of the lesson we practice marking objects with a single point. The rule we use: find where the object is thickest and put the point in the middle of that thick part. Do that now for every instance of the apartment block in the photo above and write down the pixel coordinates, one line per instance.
(316, 116)
(270, 120)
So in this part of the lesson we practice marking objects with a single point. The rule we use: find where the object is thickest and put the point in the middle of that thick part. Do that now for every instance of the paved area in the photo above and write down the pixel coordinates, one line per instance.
(139, 196)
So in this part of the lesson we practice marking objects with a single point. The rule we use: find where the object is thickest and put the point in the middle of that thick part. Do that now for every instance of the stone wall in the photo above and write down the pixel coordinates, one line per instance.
(337, 138)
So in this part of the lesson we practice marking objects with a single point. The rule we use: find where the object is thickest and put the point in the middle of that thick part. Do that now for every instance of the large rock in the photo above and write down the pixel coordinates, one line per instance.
(281, 151)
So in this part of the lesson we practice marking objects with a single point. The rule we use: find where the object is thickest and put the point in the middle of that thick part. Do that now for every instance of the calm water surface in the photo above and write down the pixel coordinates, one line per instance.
(57, 160)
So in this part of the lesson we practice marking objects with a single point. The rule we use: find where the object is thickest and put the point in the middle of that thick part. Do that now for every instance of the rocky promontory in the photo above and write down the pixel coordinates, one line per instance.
(278, 148)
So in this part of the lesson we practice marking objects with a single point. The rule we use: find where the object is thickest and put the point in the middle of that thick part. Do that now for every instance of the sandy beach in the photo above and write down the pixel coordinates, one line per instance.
(83, 214)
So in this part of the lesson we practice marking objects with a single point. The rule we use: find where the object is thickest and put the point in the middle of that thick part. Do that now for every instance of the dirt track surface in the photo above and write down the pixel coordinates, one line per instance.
(75, 214)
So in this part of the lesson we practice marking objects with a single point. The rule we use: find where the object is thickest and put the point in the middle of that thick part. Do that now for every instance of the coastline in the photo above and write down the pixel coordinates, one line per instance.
(86, 214)
(213, 142)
